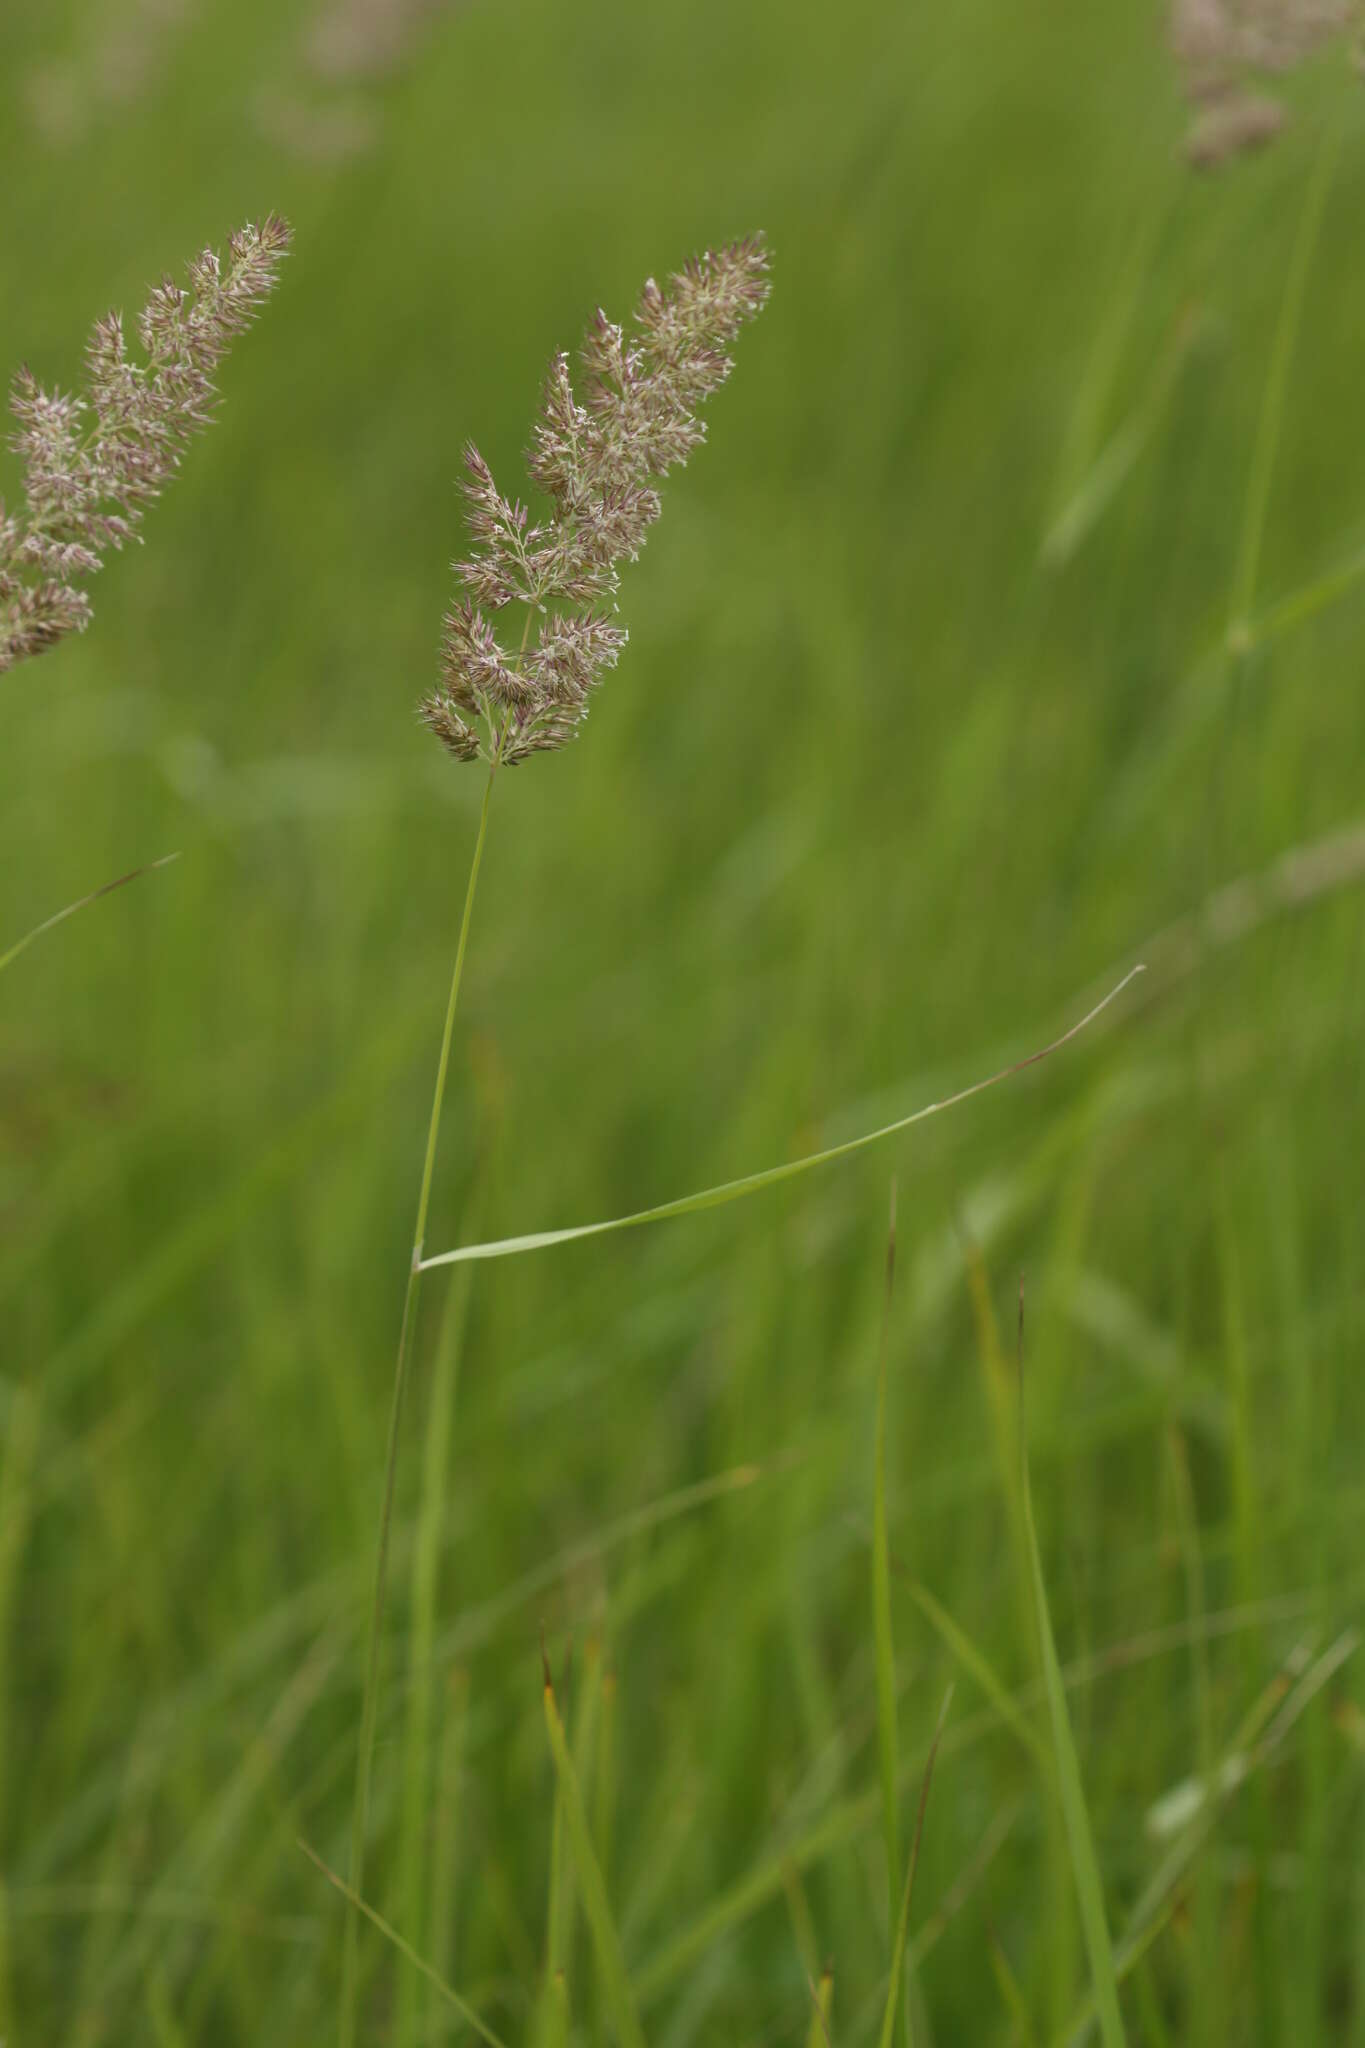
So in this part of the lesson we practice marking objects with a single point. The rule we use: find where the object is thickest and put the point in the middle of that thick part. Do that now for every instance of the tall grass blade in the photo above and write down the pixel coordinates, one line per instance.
(1299, 606)
(22, 1437)
(417, 1736)
(583, 1750)
(446, 1830)
(620, 1999)
(1085, 1869)
(82, 903)
(1116, 461)
(1277, 379)
(603, 1817)
(974, 1663)
(1011, 1997)
(360, 1809)
(771, 1176)
(893, 1991)
(822, 1999)
(887, 1746)
(405, 1949)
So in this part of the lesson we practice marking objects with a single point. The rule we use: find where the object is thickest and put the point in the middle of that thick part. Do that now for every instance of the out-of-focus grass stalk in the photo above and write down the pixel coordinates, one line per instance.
(1272, 404)
(360, 1813)
(604, 1814)
(819, 2035)
(1205, 1988)
(902, 1933)
(887, 1746)
(417, 1740)
(1011, 1997)
(625, 2017)
(405, 1949)
(48, 924)
(446, 1832)
(16, 1495)
(1084, 1867)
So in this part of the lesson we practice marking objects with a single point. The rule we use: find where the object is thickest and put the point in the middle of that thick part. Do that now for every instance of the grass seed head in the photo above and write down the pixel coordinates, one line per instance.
(597, 459)
(93, 462)
(1221, 46)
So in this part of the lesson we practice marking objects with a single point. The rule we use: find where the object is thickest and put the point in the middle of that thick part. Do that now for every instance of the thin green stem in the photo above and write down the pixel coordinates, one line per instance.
(1277, 380)
(887, 1745)
(360, 1813)
(82, 903)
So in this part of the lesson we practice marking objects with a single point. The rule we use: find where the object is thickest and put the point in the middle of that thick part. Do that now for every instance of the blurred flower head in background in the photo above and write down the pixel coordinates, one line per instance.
(94, 462)
(1223, 46)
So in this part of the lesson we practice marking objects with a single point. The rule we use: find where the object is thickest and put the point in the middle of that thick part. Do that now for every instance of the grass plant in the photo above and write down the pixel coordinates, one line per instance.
(1007, 635)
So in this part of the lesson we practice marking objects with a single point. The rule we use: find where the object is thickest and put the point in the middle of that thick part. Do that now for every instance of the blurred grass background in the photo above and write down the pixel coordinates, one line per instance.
(884, 785)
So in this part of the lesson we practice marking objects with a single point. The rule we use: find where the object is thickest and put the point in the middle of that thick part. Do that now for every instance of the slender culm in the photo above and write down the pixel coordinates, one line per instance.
(598, 462)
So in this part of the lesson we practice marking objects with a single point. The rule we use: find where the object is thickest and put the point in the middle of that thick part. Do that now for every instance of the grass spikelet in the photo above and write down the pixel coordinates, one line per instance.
(1084, 1867)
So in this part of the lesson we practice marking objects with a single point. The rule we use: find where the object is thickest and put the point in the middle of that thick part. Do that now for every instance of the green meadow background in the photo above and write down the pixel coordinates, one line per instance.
(926, 733)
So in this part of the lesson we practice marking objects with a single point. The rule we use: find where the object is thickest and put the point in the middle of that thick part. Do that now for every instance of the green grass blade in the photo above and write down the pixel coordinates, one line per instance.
(374, 1645)
(1011, 1997)
(1277, 377)
(446, 1830)
(972, 1661)
(1084, 1867)
(887, 1745)
(1116, 461)
(22, 1437)
(604, 1811)
(417, 1737)
(81, 903)
(1304, 604)
(583, 1749)
(893, 1989)
(620, 1999)
(822, 1998)
(770, 1176)
(406, 1950)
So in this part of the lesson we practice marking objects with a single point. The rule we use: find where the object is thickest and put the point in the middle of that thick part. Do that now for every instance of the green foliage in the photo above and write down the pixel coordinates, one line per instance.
(884, 791)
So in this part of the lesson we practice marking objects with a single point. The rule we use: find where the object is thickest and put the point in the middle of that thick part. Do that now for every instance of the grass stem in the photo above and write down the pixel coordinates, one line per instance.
(360, 1812)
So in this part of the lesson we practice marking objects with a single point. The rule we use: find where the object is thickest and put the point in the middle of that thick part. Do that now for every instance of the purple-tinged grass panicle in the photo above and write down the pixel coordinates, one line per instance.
(1222, 45)
(94, 462)
(597, 460)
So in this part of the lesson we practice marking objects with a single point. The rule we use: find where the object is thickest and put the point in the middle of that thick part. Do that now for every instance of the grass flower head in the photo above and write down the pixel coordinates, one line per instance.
(94, 462)
(598, 460)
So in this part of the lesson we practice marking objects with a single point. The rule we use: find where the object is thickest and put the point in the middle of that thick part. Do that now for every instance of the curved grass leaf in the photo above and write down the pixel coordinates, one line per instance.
(81, 903)
(770, 1176)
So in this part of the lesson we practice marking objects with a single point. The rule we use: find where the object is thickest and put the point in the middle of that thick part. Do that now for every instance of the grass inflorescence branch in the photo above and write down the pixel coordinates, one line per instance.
(94, 460)
(598, 462)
